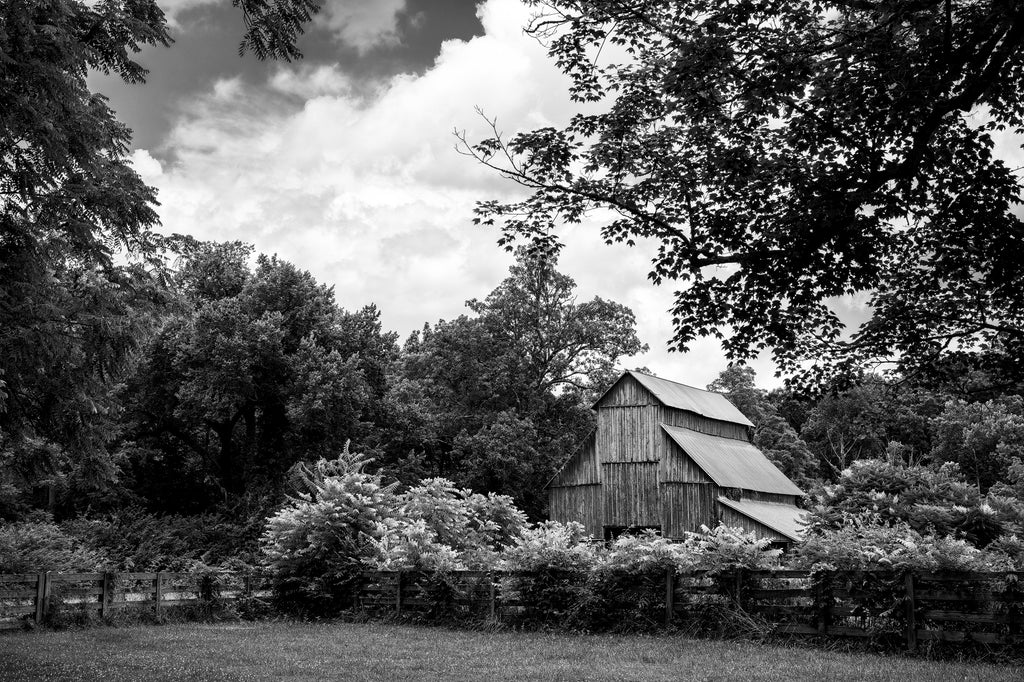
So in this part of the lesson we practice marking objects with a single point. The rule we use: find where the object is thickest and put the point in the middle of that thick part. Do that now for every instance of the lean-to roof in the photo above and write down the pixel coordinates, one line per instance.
(682, 397)
(784, 519)
(732, 463)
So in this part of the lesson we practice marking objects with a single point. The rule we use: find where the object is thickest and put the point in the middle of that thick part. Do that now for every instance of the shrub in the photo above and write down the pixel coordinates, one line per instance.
(404, 544)
(439, 524)
(556, 560)
(136, 540)
(35, 546)
(725, 548)
(626, 588)
(869, 542)
(316, 544)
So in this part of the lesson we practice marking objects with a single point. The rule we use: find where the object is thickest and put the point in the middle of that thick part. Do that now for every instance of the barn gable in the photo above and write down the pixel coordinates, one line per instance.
(671, 394)
(581, 468)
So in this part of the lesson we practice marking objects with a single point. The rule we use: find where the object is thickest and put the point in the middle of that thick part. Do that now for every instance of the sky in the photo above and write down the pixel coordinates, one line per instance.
(344, 163)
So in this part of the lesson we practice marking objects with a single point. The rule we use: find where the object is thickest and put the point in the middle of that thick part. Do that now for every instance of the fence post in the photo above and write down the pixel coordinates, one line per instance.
(398, 593)
(739, 588)
(247, 584)
(490, 585)
(107, 597)
(46, 594)
(40, 596)
(158, 592)
(823, 594)
(908, 583)
(670, 589)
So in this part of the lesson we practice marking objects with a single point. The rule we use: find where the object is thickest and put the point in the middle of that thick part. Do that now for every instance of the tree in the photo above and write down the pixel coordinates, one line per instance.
(984, 439)
(81, 270)
(773, 435)
(496, 401)
(260, 370)
(785, 153)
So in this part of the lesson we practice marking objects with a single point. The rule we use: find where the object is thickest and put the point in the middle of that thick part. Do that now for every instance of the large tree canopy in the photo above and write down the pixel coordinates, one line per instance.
(782, 153)
(80, 264)
(498, 400)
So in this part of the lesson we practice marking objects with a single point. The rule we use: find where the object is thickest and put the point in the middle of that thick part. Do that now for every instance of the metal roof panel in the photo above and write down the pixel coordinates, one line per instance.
(732, 463)
(784, 519)
(682, 397)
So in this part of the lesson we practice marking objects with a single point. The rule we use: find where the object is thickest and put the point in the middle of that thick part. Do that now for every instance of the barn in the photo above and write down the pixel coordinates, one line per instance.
(671, 457)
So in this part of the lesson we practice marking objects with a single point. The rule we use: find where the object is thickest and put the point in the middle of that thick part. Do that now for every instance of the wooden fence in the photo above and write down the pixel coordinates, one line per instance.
(35, 596)
(909, 607)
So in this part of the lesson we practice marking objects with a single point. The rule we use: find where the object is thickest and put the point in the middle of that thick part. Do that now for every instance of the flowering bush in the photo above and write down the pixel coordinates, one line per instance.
(869, 542)
(551, 545)
(316, 543)
(726, 548)
(555, 560)
(648, 552)
(931, 501)
(403, 544)
(437, 524)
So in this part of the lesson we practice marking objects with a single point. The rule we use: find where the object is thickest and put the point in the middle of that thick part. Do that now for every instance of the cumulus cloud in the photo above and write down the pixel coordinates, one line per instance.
(369, 194)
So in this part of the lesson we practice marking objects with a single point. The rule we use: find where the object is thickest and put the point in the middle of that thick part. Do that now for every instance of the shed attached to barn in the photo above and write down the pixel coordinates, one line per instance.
(673, 458)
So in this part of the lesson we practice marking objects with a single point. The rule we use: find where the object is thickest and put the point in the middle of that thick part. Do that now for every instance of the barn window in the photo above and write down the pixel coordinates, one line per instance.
(611, 533)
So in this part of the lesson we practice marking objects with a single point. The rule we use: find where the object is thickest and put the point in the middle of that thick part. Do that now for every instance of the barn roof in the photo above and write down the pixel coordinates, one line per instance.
(682, 397)
(732, 463)
(784, 519)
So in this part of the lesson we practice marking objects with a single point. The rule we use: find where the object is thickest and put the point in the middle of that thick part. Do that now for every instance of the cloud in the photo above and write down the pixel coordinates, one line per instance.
(362, 24)
(369, 194)
(148, 168)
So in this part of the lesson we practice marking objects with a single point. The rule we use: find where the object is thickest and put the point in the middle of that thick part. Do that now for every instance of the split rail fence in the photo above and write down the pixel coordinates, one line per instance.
(904, 607)
(34, 597)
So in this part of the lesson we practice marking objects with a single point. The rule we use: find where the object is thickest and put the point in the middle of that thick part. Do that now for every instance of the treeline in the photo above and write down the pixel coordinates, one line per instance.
(160, 413)
(195, 389)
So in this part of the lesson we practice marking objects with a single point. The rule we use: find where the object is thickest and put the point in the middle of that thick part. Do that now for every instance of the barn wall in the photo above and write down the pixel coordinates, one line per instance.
(676, 467)
(757, 496)
(581, 503)
(687, 506)
(731, 517)
(581, 468)
(628, 391)
(627, 434)
(630, 493)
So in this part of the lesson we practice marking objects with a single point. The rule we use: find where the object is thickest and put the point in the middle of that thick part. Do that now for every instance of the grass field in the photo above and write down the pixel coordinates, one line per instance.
(340, 651)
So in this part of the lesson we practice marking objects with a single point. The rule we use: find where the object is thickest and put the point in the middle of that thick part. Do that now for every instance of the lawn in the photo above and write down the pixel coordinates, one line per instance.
(374, 651)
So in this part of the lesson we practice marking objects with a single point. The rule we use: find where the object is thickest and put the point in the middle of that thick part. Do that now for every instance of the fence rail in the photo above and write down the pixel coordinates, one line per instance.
(34, 596)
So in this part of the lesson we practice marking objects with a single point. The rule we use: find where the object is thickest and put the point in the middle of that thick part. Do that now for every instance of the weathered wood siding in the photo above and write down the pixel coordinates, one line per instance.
(581, 503)
(757, 496)
(630, 493)
(677, 467)
(687, 506)
(695, 422)
(629, 392)
(731, 517)
(581, 468)
(627, 434)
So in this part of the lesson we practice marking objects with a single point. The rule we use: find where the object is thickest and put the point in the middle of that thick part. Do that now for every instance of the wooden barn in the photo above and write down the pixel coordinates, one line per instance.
(673, 458)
